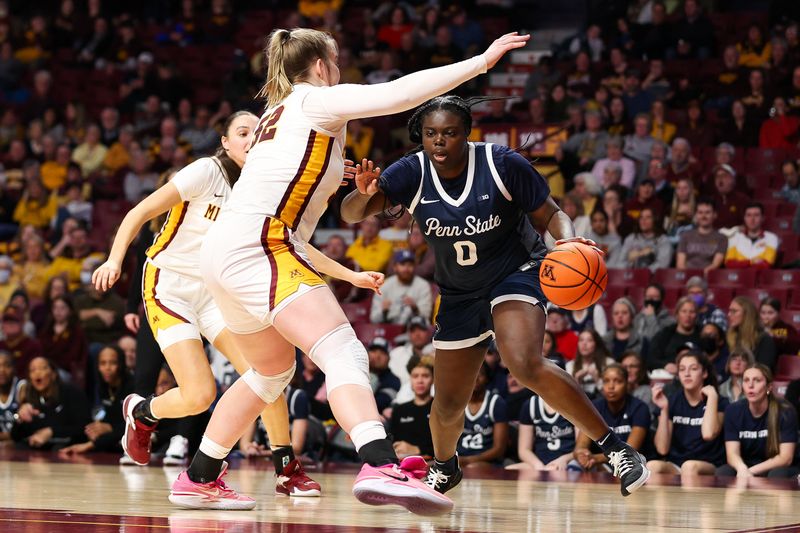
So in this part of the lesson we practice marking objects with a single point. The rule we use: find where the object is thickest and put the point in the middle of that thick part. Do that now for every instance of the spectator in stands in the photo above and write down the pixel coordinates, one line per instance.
(591, 359)
(689, 432)
(715, 347)
(409, 426)
(791, 187)
(662, 189)
(654, 315)
(127, 344)
(622, 337)
(648, 247)
(398, 25)
(683, 164)
(467, 33)
(10, 388)
(637, 101)
(697, 290)
(618, 220)
(657, 85)
(425, 258)
(747, 332)
(761, 432)
(740, 129)
(444, 51)
(600, 233)
(56, 286)
(639, 144)
(730, 79)
(344, 291)
(114, 384)
(558, 324)
(101, 313)
(386, 384)
(582, 150)
(498, 381)
(359, 141)
(780, 130)
(549, 349)
(628, 418)
(369, 251)
(54, 171)
(9, 281)
(541, 79)
(638, 380)
(15, 341)
(617, 121)
(37, 206)
(702, 247)
(485, 433)
(696, 130)
(785, 336)
(729, 202)
(738, 361)
(419, 345)
(645, 198)
(546, 439)
(665, 344)
(696, 30)
(755, 51)
(200, 134)
(579, 81)
(90, 154)
(614, 156)
(750, 245)
(662, 130)
(52, 414)
(313, 383)
(64, 342)
(592, 317)
(71, 251)
(404, 294)
(587, 189)
(756, 100)
(794, 90)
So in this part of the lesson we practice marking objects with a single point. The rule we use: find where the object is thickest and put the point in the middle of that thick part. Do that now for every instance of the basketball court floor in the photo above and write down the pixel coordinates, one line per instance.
(45, 495)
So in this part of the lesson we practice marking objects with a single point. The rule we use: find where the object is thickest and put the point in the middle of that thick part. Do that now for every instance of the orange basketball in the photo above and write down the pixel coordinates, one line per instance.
(573, 276)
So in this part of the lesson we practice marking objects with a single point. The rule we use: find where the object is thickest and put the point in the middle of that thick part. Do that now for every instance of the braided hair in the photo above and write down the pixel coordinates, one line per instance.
(462, 107)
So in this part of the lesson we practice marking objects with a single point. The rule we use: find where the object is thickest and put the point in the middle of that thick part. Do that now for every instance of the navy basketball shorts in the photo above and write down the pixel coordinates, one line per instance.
(465, 322)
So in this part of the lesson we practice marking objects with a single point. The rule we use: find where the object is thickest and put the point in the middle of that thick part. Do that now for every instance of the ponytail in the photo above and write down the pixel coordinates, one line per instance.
(774, 409)
(290, 54)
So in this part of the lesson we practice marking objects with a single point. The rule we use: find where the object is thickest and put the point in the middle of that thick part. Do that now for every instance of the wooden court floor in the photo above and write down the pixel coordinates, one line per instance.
(42, 494)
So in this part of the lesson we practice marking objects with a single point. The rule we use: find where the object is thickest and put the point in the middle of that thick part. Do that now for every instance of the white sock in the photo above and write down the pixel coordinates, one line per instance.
(366, 432)
(212, 449)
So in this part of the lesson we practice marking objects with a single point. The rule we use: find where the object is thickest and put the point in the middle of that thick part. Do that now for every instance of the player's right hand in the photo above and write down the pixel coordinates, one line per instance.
(367, 177)
(106, 275)
(499, 47)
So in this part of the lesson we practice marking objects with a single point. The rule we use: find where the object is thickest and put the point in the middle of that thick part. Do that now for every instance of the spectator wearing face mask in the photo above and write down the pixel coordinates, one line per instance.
(697, 290)
(654, 316)
(714, 346)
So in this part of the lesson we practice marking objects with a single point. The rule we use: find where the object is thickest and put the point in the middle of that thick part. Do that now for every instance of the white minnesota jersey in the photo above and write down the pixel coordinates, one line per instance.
(289, 173)
(203, 189)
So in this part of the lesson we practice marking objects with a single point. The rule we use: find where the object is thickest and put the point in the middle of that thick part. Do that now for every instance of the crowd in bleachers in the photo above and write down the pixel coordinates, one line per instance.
(668, 132)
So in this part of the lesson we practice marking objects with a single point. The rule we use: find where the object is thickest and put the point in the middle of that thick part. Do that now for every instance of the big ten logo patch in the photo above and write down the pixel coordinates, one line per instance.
(547, 272)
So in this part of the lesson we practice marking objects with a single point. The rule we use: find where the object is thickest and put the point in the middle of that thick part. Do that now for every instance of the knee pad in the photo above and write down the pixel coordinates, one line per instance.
(342, 358)
(268, 388)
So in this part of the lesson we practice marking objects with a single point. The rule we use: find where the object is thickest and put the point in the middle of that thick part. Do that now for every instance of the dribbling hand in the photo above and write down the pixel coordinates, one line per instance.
(366, 177)
(587, 242)
(500, 46)
(106, 275)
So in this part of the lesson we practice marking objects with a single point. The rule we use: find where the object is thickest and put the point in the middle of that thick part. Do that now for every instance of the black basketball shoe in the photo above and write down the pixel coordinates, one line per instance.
(630, 467)
(444, 476)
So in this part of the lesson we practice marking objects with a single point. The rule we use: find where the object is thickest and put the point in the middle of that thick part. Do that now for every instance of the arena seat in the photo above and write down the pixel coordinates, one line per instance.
(779, 386)
(764, 160)
(366, 332)
(794, 299)
(779, 279)
(788, 367)
(791, 316)
(357, 312)
(778, 224)
(675, 277)
(720, 296)
(628, 277)
(756, 294)
(723, 277)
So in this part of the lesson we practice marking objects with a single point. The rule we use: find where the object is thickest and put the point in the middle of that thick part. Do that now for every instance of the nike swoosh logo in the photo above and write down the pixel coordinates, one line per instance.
(387, 474)
(218, 195)
(424, 201)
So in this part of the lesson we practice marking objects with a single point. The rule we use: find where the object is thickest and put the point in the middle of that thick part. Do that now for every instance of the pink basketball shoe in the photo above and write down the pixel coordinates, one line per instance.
(401, 485)
(215, 495)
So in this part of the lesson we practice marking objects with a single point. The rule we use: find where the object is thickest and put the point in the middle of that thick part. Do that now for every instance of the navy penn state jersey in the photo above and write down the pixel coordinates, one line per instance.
(751, 433)
(553, 434)
(478, 435)
(9, 408)
(477, 223)
(687, 435)
(635, 413)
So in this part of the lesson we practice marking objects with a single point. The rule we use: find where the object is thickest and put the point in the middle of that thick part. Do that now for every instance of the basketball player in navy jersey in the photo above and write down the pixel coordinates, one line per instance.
(477, 205)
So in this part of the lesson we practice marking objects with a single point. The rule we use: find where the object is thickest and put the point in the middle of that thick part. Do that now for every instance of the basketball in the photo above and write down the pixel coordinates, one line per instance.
(573, 276)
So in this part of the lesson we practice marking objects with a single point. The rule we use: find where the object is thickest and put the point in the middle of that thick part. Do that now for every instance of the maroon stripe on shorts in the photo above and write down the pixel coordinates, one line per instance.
(273, 276)
(161, 305)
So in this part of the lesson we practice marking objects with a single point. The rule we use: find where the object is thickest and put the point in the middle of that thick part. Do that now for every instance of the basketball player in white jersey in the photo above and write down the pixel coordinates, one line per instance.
(179, 309)
(255, 263)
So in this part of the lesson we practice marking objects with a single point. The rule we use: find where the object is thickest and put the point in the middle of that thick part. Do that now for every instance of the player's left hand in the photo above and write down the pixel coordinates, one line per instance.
(366, 177)
(369, 280)
(582, 240)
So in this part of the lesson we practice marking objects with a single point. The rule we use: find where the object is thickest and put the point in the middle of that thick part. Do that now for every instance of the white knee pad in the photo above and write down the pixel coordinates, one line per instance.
(268, 388)
(342, 358)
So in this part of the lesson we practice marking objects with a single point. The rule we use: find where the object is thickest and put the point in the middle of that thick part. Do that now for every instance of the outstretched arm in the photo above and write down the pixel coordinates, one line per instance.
(326, 265)
(347, 101)
(551, 217)
(159, 202)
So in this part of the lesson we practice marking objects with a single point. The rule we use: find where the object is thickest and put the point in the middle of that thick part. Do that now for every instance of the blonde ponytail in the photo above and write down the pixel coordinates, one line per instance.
(290, 54)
